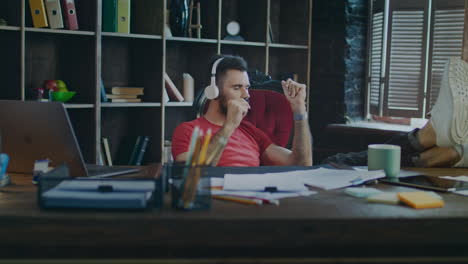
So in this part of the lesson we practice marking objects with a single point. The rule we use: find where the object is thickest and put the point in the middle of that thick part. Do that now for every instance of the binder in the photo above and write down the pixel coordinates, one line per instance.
(54, 13)
(109, 15)
(38, 13)
(69, 14)
(123, 16)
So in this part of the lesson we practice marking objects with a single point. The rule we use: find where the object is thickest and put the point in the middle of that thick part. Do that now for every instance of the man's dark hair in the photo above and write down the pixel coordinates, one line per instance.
(229, 62)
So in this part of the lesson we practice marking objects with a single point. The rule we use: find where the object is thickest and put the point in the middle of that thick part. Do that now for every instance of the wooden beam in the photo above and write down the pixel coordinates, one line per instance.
(465, 34)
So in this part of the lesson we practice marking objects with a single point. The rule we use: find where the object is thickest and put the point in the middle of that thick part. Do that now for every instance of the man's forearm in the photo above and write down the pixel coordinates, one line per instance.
(302, 143)
(218, 143)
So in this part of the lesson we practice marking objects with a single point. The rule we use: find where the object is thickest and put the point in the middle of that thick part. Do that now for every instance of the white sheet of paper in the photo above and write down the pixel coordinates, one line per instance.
(329, 179)
(459, 178)
(282, 181)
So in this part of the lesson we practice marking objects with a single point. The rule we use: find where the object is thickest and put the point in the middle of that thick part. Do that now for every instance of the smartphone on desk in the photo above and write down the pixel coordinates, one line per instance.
(429, 182)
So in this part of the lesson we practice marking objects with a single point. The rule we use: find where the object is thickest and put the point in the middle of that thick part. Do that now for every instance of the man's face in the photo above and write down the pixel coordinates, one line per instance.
(235, 85)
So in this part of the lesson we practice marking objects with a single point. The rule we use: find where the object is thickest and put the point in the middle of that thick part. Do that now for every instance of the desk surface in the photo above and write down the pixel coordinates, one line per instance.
(328, 224)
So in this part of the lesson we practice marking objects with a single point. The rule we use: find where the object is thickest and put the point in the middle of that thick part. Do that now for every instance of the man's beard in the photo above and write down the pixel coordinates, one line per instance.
(223, 104)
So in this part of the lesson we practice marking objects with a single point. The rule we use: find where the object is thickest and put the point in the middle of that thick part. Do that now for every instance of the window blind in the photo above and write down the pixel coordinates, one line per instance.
(376, 58)
(406, 60)
(447, 42)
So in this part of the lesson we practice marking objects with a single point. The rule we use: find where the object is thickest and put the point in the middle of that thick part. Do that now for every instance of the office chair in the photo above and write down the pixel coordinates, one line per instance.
(270, 110)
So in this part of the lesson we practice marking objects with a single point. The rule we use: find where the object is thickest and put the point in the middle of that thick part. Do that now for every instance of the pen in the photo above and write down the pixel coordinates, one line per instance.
(264, 200)
(241, 200)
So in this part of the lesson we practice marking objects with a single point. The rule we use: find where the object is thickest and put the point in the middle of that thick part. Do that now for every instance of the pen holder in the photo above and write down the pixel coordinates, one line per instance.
(190, 189)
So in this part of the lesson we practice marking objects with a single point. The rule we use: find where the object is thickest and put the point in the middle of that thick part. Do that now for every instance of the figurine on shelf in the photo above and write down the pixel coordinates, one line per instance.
(232, 30)
(40, 94)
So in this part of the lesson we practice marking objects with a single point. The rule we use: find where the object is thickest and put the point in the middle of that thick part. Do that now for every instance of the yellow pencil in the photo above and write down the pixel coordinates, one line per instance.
(204, 148)
(251, 201)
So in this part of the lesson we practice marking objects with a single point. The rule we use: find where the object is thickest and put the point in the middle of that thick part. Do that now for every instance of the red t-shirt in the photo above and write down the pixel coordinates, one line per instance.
(244, 147)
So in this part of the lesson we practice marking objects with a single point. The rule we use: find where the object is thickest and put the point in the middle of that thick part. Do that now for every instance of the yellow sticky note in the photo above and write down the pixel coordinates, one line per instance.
(420, 200)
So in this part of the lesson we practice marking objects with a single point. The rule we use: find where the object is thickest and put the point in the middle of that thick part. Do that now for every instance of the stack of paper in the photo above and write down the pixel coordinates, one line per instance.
(110, 194)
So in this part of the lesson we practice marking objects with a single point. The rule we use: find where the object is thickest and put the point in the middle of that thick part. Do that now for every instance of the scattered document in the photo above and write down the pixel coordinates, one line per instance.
(263, 195)
(458, 178)
(296, 181)
(401, 174)
(329, 179)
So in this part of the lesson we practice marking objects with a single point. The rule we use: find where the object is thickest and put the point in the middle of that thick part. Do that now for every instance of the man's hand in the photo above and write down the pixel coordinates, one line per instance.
(296, 94)
(237, 109)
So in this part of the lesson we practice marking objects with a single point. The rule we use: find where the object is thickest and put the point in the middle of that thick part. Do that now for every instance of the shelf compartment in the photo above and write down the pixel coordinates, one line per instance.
(61, 57)
(122, 125)
(287, 20)
(10, 67)
(178, 115)
(191, 58)
(249, 14)
(284, 63)
(133, 63)
(209, 19)
(85, 14)
(82, 121)
(11, 12)
(255, 56)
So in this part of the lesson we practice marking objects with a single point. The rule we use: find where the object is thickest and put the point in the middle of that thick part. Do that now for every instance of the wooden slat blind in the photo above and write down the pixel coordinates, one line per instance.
(376, 58)
(406, 60)
(447, 42)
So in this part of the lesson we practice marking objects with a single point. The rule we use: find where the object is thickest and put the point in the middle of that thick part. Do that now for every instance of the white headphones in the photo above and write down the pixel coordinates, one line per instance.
(212, 91)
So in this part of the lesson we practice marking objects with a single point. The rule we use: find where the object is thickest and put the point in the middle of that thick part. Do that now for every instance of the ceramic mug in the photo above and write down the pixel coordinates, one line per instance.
(384, 157)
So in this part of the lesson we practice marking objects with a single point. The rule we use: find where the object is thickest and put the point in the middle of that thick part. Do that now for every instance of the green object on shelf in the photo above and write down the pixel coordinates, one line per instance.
(62, 96)
(3, 22)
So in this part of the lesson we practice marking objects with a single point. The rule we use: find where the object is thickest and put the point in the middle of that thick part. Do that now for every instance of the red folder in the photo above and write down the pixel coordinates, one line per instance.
(69, 14)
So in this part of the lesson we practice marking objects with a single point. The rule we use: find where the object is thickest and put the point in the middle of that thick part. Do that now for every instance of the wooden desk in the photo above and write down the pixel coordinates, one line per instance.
(330, 225)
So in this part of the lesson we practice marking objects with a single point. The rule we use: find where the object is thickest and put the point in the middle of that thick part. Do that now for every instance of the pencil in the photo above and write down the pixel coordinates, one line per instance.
(264, 200)
(241, 200)
(204, 148)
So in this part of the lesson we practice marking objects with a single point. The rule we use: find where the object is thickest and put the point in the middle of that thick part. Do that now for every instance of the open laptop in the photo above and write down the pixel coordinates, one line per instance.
(34, 130)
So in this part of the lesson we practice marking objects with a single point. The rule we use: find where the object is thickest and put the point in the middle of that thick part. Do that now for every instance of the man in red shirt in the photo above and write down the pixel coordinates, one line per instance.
(246, 144)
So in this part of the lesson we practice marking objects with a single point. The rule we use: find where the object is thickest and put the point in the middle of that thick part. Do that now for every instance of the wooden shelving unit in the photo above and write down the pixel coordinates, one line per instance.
(80, 58)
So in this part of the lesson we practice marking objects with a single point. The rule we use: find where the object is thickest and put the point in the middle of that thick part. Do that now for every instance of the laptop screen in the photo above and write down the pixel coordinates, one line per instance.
(32, 130)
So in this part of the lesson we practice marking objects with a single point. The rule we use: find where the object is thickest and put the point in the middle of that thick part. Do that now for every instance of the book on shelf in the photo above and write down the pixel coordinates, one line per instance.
(54, 13)
(105, 143)
(121, 96)
(123, 16)
(38, 13)
(139, 150)
(103, 92)
(109, 15)
(172, 90)
(127, 90)
(69, 14)
(125, 100)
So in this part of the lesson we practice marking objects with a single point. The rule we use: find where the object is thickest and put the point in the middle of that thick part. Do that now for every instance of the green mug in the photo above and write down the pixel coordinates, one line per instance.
(384, 157)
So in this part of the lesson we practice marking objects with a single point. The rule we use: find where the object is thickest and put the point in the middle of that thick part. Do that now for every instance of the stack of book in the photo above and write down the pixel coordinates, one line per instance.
(125, 94)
